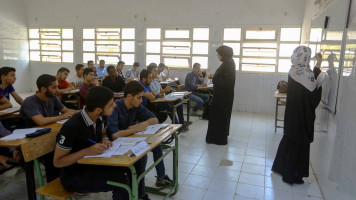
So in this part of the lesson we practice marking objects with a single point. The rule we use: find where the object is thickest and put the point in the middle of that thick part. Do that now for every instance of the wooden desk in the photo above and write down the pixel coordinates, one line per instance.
(208, 87)
(75, 91)
(29, 154)
(118, 95)
(170, 102)
(280, 101)
(125, 161)
(10, 111)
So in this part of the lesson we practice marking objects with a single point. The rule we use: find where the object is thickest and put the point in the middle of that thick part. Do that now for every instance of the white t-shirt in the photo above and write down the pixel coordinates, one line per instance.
(77, 80)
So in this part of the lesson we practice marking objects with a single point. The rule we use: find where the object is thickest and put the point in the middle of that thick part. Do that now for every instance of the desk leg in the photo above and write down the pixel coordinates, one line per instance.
(30, 179)
(173, 114)
(134, 182)
(275, 116)
(188, 110)
(175, 165)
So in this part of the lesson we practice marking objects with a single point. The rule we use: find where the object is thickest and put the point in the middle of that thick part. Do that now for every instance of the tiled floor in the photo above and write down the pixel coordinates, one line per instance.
(202, 175)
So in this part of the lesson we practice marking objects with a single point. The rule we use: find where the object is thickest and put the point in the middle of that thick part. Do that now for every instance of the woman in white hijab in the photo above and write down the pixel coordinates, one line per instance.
(303, 96)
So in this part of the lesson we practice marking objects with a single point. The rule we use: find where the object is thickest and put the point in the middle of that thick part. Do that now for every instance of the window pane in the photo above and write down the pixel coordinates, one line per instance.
(351, 35)
(108, 33)
(128, 33)
(67, 33)
(88, 56)
(35, 56)
(88, 33)
(286, 50)
(50, 33)
(290, 34)
(260, 45)
(237, 63)
(51, 56)
(109, 59)
(261, 34)
(203, 61)
(153, 34)
(67, 45)
(284, 65)
(153, 47)
(235, 47)
(177, 34)
(334, 35)
(259, 61)
(33, 33)
(108, 46)
(67, 57)
(258, 68)
(233, 34)
(129, 59)
(88, 46)
(259, 52)
(34, 44)
(153, 59)
(314, 48)
(200, 48)
(201, 34)
(176, 62)
(128, 46)
(53, 45)
(315, 34)
(176, 47)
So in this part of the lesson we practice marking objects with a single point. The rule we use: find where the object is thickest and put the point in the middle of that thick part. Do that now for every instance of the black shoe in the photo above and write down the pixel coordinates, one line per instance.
(187, 123)
(165, 181)
(146, 197)
(298, 181)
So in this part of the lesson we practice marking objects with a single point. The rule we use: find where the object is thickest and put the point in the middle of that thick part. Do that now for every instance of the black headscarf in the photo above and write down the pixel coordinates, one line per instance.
(225, 52)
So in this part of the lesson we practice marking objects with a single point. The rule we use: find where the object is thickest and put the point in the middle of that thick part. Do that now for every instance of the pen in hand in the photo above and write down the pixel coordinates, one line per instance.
(94, 142)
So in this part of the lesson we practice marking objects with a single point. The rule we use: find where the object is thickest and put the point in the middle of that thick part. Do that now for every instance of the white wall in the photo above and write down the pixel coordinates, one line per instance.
(14, 43)
(253, 93)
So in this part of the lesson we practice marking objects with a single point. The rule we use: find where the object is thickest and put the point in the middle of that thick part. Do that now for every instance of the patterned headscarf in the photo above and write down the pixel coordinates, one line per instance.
(300, 70)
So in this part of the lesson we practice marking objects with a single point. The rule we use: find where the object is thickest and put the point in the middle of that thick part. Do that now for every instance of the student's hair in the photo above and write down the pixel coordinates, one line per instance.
(87, 71)
(101, 61)
(151, 67)
(45, 80)
(120, 62)
(136, 64)
(78, 67)
(110, 67)
(225, 52)
(92, 101)
(160, 65)
(133, 88)
(89, 61)
(196, 65)
(144, 74)
(63, 69)
(6, 70)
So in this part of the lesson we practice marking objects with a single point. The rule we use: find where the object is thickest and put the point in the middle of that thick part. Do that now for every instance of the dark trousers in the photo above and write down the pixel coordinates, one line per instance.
(93, 179)
(160, 169)
(165, 106)
(51, 171)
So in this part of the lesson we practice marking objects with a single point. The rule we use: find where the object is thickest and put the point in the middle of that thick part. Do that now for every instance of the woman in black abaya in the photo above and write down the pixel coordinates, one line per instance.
(303, 96)
(223, 98)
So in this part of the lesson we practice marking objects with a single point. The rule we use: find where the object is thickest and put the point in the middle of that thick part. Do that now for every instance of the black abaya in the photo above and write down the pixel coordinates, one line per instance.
(221, 107)
(292, 159)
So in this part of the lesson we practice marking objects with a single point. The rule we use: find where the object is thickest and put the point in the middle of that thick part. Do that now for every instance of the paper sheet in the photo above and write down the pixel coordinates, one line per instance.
(107, 153)
(20, 133)
(152, 129)
(11, 110)
(122, 150)
(62, 121)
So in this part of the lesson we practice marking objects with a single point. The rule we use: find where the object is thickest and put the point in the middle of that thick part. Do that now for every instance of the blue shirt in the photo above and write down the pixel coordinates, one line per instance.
(147, 88)
(192, 81)
(100, 72)
(122, 118)
(6, 92)
(156, 86)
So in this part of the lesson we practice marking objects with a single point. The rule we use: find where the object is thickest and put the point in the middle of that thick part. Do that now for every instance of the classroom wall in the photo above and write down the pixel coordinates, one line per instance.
(14, 43)
(253, 91)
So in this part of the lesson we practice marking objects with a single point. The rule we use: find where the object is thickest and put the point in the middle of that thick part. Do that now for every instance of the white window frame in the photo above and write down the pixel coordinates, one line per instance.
(40, 50)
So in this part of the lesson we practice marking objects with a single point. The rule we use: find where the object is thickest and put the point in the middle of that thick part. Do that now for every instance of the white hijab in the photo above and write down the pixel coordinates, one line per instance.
(300, 70)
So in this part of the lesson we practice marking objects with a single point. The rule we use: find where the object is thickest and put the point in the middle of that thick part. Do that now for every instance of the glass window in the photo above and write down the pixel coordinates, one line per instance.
(232, 34)
(260, 34)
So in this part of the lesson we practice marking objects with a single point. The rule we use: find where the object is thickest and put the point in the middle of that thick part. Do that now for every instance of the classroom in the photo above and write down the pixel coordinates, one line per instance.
(180, 100)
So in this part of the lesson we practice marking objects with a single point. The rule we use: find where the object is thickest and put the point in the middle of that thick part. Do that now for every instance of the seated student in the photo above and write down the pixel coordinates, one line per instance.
(193, 81)
(8, 77)
(163, 72)
(92, 66)
(120, 66)
(4, 103)
(134, 72)
(101, 70)
(122, 123)
(7, 153)
(73, 144)
(114, 82)
(156, 87)
(42, 108)
(63, 85)
(76, 79)
(89, 83)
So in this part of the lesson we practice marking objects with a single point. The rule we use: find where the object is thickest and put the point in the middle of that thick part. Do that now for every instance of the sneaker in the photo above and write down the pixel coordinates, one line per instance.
(165, 181)
(187, 123)
(183, 129)
(146, 197)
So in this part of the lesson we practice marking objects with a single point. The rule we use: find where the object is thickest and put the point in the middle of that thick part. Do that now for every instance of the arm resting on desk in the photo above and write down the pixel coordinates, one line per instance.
(4, 104)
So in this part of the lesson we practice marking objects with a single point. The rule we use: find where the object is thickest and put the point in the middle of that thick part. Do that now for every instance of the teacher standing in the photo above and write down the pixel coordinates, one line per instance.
(223, 98)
